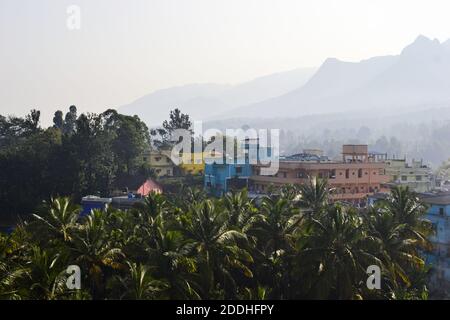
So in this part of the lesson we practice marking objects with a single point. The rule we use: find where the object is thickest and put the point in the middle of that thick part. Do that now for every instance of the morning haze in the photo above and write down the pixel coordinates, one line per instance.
(125, 50)
(224, 150)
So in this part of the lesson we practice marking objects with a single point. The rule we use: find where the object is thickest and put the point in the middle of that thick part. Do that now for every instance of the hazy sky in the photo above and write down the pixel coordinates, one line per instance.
(128, 48)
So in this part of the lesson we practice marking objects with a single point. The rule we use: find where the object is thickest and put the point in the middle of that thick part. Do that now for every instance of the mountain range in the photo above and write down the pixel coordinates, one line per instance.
(205, 101)
(419, 77)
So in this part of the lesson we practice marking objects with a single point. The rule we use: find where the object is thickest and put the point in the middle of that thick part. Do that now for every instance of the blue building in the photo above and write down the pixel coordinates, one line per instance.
(90, 203)
(220, 178)
(233, 173)
(374, 198)
(439, 215)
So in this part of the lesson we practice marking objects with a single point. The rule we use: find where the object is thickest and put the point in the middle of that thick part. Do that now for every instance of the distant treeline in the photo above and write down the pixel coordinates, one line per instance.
(78, 155)
(416, 134)
(427, 142)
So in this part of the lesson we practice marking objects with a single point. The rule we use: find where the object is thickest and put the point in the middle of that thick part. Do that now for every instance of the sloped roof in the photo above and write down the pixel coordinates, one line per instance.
(149, 186)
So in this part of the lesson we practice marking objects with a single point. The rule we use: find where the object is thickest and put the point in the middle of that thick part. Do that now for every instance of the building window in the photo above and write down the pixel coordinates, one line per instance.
(145, 159)
(404, 178)
(347, 173)
(360, 173)
(284, 175)
(238, 170)
(168, 171)
(418, 178)
(157, 159)
(301, 174)
(333, 174)
(441, 211)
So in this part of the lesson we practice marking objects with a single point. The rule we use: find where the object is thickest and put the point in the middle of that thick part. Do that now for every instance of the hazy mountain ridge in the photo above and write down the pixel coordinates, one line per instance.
(203, 101)
(405, 97)
(418, 76)
(154, 107)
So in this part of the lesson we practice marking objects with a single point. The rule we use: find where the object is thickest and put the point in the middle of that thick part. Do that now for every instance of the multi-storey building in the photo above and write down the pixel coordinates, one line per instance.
(160, 162)
(417, 176)
(439, 215)
(357, 175)
(234, 171)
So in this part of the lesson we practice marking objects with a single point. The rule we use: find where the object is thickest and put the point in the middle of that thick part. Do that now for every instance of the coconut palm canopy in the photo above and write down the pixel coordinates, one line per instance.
(294, 244)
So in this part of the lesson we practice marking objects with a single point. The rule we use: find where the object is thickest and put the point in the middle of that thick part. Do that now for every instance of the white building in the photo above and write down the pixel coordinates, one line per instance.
(417, 176)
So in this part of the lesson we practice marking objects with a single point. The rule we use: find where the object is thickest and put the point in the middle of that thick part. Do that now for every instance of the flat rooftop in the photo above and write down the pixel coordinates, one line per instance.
(437, 199)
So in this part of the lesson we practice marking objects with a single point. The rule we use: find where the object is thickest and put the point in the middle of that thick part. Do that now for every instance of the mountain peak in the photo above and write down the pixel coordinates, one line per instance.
(422, 38)
(331, 61)
(422, 46)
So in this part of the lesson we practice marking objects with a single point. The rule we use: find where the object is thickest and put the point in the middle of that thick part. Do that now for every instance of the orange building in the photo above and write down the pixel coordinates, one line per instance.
(357, 175)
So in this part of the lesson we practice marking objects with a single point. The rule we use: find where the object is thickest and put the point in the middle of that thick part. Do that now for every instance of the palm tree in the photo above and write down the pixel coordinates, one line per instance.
(401, 231)
(314, 195)
(219, 248)
(153, 205)
(240, 209)
(43, 275)
(409, 210)
(276, 224)
(92, 250)
(154, 208)
(189, 196)
(14, 249)
(172, 262)
(193, 248)
(275, 227)
(140, 285)
(59, 217)
(395, 251)
(333, 255)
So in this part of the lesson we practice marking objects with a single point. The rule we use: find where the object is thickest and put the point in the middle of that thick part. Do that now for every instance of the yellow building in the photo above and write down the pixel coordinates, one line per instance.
(194, 163)
(160, 162)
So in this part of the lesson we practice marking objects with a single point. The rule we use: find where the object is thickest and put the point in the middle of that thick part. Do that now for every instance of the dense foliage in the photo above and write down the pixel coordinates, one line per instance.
(293, 244)
(78, 155)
